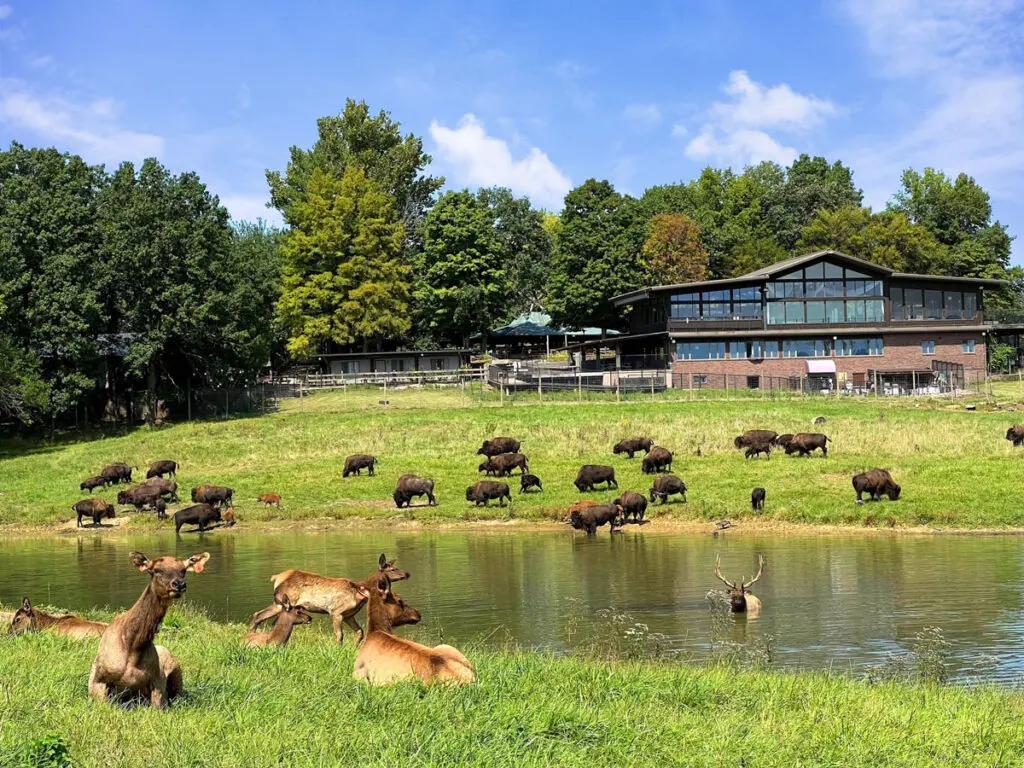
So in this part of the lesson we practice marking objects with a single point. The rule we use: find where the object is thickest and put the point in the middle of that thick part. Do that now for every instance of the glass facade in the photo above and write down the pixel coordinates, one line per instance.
(926, 304)
(762, 350)
(802, 297)
(724, 304)
(859, 347)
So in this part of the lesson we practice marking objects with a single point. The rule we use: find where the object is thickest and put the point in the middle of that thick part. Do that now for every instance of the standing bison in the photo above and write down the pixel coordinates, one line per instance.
(592, 474)
(214, 495)
(410, 486)
(497, 445)
(92, 483)
(355, 464)
(97, 509)
(167, 488)
(757, 497)
(140, 497)
(118, 472)
(202, 515)
(503, 464)
(483, 491)
(526, 482)
(634, 504)
(633, 445)
(877, 482)
(657, 460)
(756, 441)
(591, 518)
(161, 468)
(806, 443)
(665, 486)
(1015, 434)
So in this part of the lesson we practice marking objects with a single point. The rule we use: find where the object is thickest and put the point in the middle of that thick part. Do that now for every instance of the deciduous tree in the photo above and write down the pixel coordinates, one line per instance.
(673, 252)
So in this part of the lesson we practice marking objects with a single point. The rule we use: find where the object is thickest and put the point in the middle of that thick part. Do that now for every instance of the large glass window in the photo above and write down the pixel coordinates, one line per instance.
(739, 349)
(833, 271)
(776, 313)
(970, 305)
(749, 293)
(874, 311)
(794, 312)
(816, 272)
(933, 305)
(807, 348)
(873, 288)
(700, 350)
(815, 311)
(762, 349)
(835, 312)
(833, 289)
(855, 312)
(953, 302)
(716, 311)
(859, 347)
(855, 288)
(747, 311)
(927, 347)
(685, 311)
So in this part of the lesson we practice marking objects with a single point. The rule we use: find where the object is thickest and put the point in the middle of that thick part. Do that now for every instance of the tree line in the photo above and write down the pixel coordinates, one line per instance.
(136, 281)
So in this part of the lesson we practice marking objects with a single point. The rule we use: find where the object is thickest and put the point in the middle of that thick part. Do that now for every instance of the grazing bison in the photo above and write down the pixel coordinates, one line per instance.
(633, 445)
(200, 514)
(410, 486)
(497, 445)
(591, 518)
(657, 460)
(756, 441)
(876, 483)
(1015, 434)
(592, 474)
(503, 464)
(783, 440)
(529, 481)
(97, 509)
(483, 491)
(634, 504)
(805, 443)
(118, 472)
(215, 495)
(757, 498)
(355, 464)
(92, 483)
(161, 468)
(665, 486)
(140, 497)
(168, 488)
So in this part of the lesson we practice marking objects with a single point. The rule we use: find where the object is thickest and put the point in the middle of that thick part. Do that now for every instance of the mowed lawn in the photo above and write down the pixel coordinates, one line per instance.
(956, 468)
(301, 707)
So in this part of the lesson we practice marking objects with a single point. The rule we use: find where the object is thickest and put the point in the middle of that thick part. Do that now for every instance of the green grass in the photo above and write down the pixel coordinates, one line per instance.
(956, 469)
(300, 707)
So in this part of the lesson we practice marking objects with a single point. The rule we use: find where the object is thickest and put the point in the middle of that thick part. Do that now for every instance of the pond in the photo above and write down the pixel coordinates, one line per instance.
(844, 602)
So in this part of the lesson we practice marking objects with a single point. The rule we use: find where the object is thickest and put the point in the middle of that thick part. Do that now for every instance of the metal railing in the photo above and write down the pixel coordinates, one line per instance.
(391, 378)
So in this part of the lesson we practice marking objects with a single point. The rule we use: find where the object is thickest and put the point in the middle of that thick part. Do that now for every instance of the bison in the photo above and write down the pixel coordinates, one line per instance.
(591, 518)
(355, 464)
(140, 497)
(577, 507)
(592, 474)
(757, 498)
(805, 443)
(657, 460)
(665, 486)
(756, 441)
(783, 440)
(199, 514)
(876, 483)
(497, 445)
(168, 488)
(503, 464)
(161, 468)
(633, 445)
(215, 495)
(97, 509)
(269, 500)
(634, 504)
(118, 472)
(92, 483)
(1015, 434)
(410, 486)
(482, 491)
(529, 481)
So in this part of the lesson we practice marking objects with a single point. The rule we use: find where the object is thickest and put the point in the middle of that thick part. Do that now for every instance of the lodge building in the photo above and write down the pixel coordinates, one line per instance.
(826, 317)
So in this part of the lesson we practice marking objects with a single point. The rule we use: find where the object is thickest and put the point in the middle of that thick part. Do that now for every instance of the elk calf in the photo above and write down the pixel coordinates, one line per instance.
(30, 619)
(287, 619)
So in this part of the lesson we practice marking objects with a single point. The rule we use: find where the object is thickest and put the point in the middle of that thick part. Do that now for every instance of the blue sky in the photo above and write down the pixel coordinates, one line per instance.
(535, 96)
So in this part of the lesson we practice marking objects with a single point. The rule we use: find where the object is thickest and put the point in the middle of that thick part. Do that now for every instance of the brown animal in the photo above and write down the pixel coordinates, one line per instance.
(592, 518)
(665, 486)
(96, 508)
(783, 440)
(161, 468)
(530, 481)
(756, 441)
(805, 443)
(410, 486)
(92, 483)
(29, 619)
(128, 664)
(877, 482)
(340, 598)
(503, 464)
(657, 460)
(1015, 434)
(497, 445)
(592, 474)
(482, 491)
(579, 506)
(287, 619)
(118, 472)
(740, 599)
(228, 517)
(202, 515)
(757, 497)
(634, 504)
(168, 488)
(633, 445)
(269, 500)
(140, 497)
(384, 658)
(354, 465)
(214, 495)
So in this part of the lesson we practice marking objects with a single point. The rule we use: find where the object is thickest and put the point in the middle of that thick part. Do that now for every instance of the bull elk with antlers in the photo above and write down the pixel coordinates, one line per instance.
(740, 599)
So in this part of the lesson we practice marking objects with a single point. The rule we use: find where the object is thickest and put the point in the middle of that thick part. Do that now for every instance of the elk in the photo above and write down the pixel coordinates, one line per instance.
(30, 619)
(128, 664)
(385, 658)
(287, 619)
(740, 599)
(340, 598)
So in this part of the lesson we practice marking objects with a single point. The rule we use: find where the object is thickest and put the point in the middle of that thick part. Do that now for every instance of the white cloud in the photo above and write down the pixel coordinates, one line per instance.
(89, 128)
(642, 115)
(735, 131)
(250, 208)
(5, 11)
(481, 160)
(679, 131)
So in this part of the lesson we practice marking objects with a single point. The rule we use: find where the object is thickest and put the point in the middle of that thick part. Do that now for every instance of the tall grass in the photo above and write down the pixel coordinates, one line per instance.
(956, 469)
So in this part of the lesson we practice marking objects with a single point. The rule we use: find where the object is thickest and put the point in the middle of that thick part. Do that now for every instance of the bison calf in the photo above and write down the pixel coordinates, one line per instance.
(355, 464)
(97, 509)
(269, 500)
(483, 491)
(877, 482)
(592, 474)
(665, 486)
(92, 483)
(633, 445)
(591, 518)
(529, 481)
(634, 504)
(757, 498)
(200, 514)
(410, 486)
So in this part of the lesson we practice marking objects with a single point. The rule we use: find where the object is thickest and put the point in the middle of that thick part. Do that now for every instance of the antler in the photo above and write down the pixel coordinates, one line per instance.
(760, 570)
(718, 573)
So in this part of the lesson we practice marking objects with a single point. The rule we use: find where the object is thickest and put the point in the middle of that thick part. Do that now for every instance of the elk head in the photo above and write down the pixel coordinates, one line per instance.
(167, 574)
(389, 569)
(295, 613)
(24, 619)
(738, 590)
(388, 610)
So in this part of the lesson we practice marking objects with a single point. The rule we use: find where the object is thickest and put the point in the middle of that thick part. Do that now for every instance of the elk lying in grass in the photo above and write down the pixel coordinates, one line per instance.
(128, 664)
(740, 599)
(30, 619)
(287, 619)
(341, 599)
(384, 658)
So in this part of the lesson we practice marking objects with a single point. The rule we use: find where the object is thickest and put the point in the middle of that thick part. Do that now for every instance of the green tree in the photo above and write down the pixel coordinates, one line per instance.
(1001, 357)
(344, 277)
(463, 285)
(525, 247)
(597, 255)
(673, 252)
(813, 184)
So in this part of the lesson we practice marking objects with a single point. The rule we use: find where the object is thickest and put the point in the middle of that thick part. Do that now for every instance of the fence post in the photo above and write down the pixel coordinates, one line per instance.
(502, 380)
(690, 391)
(227, 402)
(188, 398)
(385, 385)
(540, 387)
(876, 384)
(618, 388)
(302, 405)
(913, 382)
(726, 378)
(652, 387)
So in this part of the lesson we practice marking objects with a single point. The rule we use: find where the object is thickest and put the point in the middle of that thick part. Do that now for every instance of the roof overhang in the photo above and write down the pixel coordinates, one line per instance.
(821, 366)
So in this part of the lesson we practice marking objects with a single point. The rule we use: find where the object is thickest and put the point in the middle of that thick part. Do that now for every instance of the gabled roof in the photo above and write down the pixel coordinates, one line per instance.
(538, 324)
(787, 264)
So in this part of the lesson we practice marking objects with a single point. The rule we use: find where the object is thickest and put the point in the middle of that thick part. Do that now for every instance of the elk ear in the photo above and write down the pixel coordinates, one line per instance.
(382, 561)
(286, 603)
(26, 605)
(140, 561)
(197, 562)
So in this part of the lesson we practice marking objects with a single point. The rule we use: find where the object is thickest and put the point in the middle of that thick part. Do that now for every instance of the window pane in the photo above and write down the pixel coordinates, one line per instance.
(715, 295)
(685, 311)
(815, 272)
(833, 288)
(815, 311)
(773, 291)
(771, 349)
(797, 274)
(855, 312)
(794, 312)
(877, 346)
(814, 289)
(970, 306)
(738, 349)
(854, 273)
(928, 347)
(750, 293)
(685, 297)
(717, 311)
(875, 310)
(834, 310)
(794, 290)
(776, 313)
(933, 305)
(855, 288)
(873, 288)
(833, 271)
(954, 305)
(747, 311)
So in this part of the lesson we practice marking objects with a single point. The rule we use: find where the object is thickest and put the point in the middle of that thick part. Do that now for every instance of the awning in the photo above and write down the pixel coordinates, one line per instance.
(821, 366)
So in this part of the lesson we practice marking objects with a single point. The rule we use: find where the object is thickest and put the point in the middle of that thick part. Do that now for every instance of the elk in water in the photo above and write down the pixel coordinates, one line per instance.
(740, 598)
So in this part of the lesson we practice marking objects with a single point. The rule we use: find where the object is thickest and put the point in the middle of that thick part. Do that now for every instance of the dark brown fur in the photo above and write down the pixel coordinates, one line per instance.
(497, 445)
(633, 445)
(877, 482)
(355, 464)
